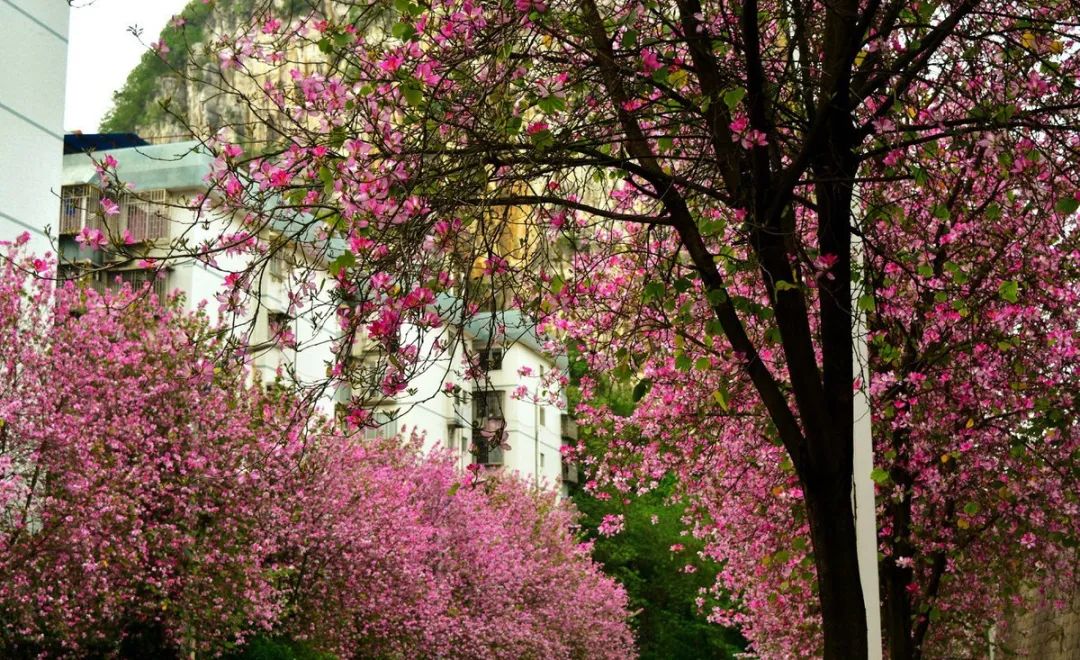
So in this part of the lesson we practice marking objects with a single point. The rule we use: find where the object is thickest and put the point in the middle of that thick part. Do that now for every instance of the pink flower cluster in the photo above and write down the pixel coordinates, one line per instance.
(153, 490)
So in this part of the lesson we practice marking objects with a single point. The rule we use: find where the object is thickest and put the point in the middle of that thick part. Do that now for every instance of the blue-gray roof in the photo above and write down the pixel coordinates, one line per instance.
(171, 166)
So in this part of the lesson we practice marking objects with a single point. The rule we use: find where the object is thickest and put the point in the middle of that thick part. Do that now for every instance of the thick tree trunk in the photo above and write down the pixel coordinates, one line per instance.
(832, 529)
(897, 578)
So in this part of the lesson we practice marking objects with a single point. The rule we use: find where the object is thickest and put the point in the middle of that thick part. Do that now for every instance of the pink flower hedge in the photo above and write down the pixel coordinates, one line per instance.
(149, 491)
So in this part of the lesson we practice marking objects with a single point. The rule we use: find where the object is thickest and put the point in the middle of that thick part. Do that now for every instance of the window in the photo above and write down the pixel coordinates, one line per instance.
(490, 358)
(489, 427)
(543, 417)
(138, 280)
(382, 425)
(542, 460)
(278, 266)
(276, 322)
(487, 404)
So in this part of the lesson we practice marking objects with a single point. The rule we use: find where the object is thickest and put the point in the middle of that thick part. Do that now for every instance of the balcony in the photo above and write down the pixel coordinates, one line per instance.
(571, 473)
(569, 428)
(490, 358)
(80, 207)
(142, 215)
(139, 279)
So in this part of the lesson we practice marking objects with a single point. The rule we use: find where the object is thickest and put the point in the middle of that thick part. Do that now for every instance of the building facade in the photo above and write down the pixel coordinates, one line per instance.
(33, 48)
(480, 415)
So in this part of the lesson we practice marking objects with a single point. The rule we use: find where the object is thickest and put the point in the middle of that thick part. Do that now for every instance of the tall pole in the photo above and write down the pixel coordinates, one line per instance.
(862, 491)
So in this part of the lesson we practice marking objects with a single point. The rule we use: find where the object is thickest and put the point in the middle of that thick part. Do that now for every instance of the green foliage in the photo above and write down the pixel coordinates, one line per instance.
(134, 104)
(669, 624)
(272, 648)
(137, 103)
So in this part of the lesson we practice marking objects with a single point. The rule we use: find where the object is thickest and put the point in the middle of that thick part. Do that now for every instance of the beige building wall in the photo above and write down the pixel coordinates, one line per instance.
(1045, 634)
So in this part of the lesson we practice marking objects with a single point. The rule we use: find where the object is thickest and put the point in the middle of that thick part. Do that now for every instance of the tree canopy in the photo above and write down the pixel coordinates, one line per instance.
(707, 197)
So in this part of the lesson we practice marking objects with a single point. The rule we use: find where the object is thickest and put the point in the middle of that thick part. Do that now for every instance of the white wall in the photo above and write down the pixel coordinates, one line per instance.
(200, 282)
(534, 447)
(33, 50)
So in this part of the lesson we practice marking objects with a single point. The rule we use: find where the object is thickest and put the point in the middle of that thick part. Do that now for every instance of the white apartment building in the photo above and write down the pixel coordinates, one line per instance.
(165, 177)
(33, 48)
(465, 420)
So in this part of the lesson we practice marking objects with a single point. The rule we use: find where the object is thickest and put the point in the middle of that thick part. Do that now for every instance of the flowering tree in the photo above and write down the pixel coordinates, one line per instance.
(709, 165)
(152, 498)
(143, 485)
(405, 558)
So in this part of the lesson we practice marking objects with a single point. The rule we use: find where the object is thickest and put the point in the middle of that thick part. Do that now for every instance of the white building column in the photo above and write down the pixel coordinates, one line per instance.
(862, 492)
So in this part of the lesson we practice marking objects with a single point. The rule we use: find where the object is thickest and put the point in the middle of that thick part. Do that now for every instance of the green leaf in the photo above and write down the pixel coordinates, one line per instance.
(720, 396)
(542, 139)
(925, 270)
(642, 388)
(551, 104)
(1009, 291)
(414, 96)
(653, 291)
(703, 364)
(629, 39)
(716, 297)
(557, 284)
(879, 476)
(453, 489)
(1067, 205)
(344, 261)
(971, 508)
(866, 303)
(781, 285)
(683, 362)
(733, 97)
(403, 31)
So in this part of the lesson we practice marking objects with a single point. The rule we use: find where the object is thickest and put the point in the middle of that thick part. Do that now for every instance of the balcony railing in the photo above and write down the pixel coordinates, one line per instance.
(142, 215)
(138, 279)
(80, 207)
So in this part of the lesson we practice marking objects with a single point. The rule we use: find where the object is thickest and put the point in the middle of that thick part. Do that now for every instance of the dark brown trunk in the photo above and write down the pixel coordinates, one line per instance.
(896, 579)
(832, 528)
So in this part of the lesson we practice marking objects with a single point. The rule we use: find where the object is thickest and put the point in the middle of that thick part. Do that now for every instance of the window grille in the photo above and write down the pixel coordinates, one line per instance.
(138, 279)
(79, 208)
(144, 215)
(278, 266)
